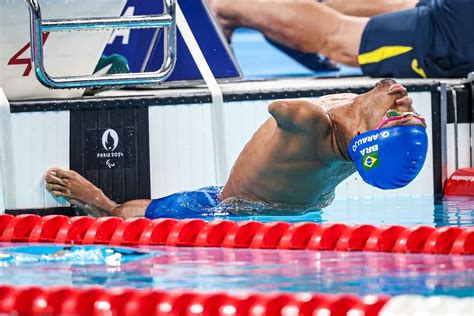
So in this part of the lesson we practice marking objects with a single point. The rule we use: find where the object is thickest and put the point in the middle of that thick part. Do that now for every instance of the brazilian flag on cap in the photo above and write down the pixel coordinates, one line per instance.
(371, 161)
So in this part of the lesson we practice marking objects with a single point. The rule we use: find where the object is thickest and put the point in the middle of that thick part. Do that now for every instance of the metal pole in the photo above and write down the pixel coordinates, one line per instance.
(456, 146)
(443, 132)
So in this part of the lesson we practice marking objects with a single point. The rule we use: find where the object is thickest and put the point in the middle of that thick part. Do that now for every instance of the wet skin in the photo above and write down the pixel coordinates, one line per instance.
(299, 155)
(296, 158)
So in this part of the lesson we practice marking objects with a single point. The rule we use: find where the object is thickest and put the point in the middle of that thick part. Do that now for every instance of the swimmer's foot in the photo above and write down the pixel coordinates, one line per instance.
(78, 191)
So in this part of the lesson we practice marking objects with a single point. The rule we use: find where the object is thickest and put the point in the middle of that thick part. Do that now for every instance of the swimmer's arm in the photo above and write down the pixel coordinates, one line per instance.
(299, 115)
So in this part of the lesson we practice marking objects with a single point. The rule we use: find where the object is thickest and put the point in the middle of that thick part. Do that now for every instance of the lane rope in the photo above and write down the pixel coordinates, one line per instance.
(34, 300)
(100, 301)
(229, 234)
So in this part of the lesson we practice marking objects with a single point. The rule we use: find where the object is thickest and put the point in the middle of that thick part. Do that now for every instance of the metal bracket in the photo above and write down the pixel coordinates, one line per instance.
(470, 78)
(167, 21)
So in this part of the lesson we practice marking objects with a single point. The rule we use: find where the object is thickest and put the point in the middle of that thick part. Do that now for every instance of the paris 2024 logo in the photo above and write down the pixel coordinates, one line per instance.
(110, 141)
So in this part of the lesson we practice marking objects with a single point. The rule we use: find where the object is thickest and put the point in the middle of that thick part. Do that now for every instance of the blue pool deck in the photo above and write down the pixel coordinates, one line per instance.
(258, 59)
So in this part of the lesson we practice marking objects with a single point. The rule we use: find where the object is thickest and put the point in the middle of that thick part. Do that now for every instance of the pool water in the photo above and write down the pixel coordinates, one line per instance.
(78, 255)
(210, 269)
(402, 210)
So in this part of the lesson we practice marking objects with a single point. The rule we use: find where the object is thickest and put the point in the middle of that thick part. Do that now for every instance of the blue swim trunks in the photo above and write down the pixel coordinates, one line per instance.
(206, 202)
(186, 204)
(433, 40)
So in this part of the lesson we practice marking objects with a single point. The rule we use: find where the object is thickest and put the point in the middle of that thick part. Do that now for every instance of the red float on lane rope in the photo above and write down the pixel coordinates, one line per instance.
(354, 238)
(213, 234)
(464, 244)
(268, 236)
(384, 238)
(73, 231)
(20, 227)
(129, 231)
(185, 232)
(441, 240)
(413, 239)
(5, 219)
(157, 232)
(327, 237)
(102, 230)
(47, 229)
(297, 236)
(242, 236)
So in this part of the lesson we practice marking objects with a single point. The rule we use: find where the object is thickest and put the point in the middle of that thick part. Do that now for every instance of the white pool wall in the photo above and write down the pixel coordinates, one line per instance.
(181, 151)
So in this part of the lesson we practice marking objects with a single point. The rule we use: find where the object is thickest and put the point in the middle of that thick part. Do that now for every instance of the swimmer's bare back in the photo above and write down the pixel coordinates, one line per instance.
(296, 158)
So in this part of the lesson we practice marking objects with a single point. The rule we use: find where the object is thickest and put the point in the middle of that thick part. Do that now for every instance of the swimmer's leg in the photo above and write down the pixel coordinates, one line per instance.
(303, 25)
(78, 191)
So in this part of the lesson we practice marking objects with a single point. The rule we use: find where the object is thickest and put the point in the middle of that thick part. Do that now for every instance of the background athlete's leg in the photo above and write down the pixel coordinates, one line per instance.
(370, 7)
(303, 25)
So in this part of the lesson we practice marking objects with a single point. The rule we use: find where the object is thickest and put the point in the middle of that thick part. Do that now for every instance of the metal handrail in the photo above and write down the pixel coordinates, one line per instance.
(167, 21)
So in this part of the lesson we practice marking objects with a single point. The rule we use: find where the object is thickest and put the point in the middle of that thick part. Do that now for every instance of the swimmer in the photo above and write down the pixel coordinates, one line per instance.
(415, 39)
(293, 162)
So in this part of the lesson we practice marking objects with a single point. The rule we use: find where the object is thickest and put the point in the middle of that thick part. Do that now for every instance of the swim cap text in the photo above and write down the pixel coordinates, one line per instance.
(369, 150)
(364, 140)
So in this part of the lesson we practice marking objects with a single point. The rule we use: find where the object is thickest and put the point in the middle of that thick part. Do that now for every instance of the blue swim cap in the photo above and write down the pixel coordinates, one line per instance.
(390, 158)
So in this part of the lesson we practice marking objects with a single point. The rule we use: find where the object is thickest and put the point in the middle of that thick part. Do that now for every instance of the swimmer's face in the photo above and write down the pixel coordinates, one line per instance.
(389, 95)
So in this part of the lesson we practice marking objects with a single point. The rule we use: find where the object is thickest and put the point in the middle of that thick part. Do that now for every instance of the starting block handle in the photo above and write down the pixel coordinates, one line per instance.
(167, 21)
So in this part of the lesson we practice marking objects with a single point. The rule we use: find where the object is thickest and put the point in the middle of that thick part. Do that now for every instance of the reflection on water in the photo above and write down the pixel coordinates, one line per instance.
(455, 212)
(209, 269)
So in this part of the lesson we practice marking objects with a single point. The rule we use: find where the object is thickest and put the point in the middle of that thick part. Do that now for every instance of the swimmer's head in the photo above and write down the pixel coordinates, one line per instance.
(391, 155)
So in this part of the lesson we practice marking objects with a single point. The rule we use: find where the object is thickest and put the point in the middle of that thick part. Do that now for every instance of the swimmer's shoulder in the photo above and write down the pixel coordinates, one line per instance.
(299, 114)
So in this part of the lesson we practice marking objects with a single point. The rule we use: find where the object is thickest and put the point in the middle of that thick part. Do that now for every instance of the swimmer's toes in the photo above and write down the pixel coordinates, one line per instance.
(49, 178)
(57, 193)
(56, 187)
(64, 174)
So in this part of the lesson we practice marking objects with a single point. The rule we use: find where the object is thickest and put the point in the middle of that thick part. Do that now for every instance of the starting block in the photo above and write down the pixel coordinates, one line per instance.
(65, 48)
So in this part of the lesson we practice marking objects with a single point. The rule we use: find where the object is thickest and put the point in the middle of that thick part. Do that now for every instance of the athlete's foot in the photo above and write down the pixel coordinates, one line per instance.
(78, 191)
